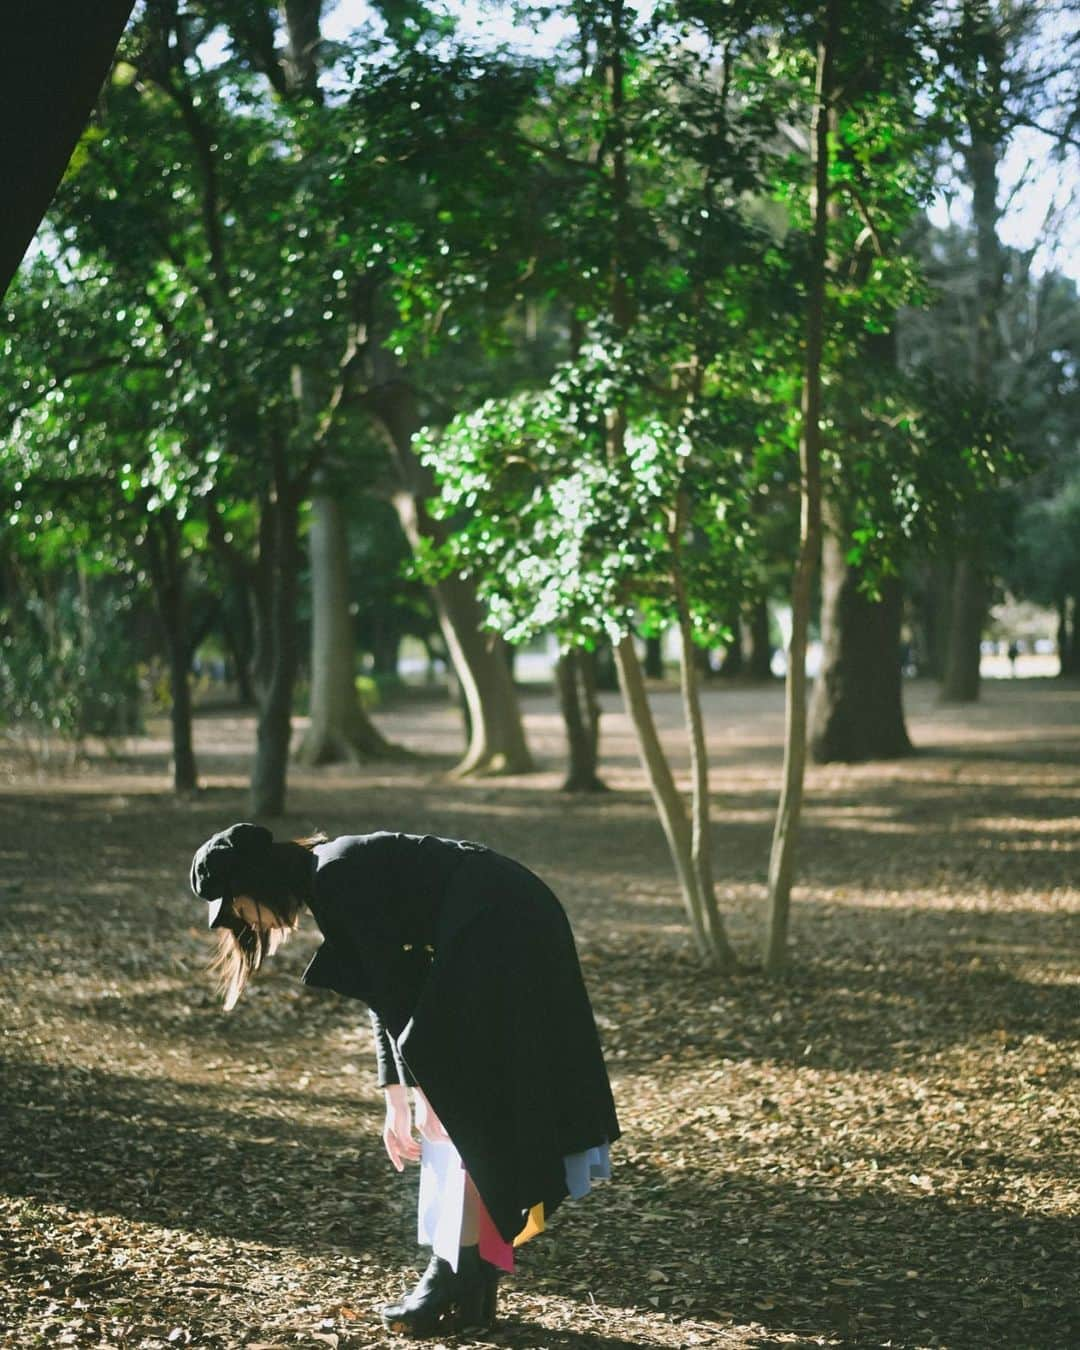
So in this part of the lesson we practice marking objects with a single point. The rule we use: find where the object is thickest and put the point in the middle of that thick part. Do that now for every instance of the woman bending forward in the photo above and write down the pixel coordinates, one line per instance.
(466, 962)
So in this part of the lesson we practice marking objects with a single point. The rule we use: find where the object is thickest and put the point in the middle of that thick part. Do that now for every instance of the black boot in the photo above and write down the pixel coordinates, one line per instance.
(420, 1312)
(477, 1295)
(443, 1301)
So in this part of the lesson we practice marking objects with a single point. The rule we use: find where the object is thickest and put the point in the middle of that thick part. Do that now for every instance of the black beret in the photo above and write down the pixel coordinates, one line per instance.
(227, 864)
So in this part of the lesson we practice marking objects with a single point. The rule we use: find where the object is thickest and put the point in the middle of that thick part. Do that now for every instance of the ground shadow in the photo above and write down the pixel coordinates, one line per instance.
(804, 1259)
(787, 1254)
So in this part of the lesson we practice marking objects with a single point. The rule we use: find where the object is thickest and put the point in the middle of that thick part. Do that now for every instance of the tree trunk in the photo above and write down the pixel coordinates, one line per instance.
(276, 646)
(967, 614)
(654, 658)
(688, 849)
(932, 608)
(340, 730)
(857, 711)
(968, 599)
(185, 774)
(576, 687)
(496, 739)
(1070, 651)
(385, 644)
(734, 662)
(166, 570)
(665, 794)
(239, 640)
(1062, 641)
(720, 949)
(759, 658)
(789, 810)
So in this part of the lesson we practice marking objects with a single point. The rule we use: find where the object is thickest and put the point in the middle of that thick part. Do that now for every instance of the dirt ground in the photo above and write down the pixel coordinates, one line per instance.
(880, 1151)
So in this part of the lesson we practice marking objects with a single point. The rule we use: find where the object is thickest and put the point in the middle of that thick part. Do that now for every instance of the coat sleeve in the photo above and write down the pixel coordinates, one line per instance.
(390, 1067)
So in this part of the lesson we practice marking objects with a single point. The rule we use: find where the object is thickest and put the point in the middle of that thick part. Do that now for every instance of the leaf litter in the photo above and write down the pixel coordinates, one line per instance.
(881, 1150)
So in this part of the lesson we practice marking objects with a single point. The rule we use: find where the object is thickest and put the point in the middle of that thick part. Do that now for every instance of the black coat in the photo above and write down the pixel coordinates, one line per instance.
(467, 961)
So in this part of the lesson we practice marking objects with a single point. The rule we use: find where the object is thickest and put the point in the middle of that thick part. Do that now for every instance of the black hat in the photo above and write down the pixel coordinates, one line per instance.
(227, 865)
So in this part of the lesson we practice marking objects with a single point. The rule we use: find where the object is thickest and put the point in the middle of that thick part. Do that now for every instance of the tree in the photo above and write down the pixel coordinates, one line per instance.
(85, 447)
(606, 501)
(1014, 64)
(782, 855)
(575, 681)
(340, 728)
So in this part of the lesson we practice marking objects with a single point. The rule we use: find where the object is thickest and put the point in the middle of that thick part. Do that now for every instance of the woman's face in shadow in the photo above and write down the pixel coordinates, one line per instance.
(252, 913)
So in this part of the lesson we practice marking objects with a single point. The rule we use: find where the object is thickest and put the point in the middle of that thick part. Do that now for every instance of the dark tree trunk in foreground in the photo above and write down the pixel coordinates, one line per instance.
(167, 575)
(857, 712)
(575, 679)
(967, 614)
(339, 729)
(57, 57)
(496, 734)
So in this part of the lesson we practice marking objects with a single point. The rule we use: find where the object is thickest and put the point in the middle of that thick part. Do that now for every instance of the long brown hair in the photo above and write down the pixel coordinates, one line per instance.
(242, 948)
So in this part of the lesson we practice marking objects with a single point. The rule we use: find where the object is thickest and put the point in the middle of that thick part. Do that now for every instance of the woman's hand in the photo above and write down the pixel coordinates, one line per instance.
(401, 1145)
(427, 1122)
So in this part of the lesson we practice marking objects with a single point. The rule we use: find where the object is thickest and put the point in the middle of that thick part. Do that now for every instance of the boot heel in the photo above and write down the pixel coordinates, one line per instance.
(478, 1299)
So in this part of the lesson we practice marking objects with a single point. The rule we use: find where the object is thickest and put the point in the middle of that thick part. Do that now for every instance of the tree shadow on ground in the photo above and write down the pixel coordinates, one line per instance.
(801, 1258)
(791, 1255)
(853, 1009)
(161, 1151)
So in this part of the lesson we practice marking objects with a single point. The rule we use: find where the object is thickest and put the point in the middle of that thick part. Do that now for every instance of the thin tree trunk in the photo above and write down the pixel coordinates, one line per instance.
(339, 730)
(782, 856)
(665, 793)
(654, 658)
(185, 773)
(734, 662)
(700, 826)
(688, 849)
(581, 717)
(759, 660)
(857, 710)
(239, 640)
(1062, 640)
(496, 735)
(933, 610)
(166, 570)
(277, 649)
(969, 594)
(385, 644)
(1071, 651)
(967, 611)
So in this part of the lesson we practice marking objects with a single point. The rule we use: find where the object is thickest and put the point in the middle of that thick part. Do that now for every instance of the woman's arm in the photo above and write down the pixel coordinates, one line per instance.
(401, 1144)
(389, 1066)
(394, 1078)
